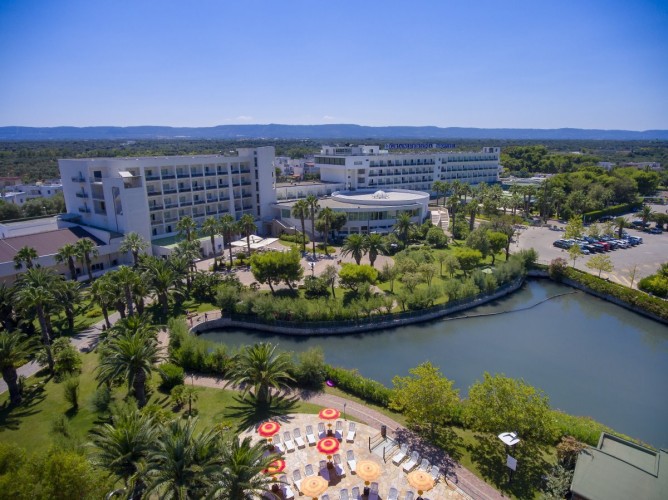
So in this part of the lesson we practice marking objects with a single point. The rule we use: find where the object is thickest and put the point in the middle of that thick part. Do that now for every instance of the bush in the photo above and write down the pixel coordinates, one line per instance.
(310, 370)
(171, 375)
(204, 286)
(66, 357)
(654, 284)
(353, 383)
(294, 238)
(71, 390)
(315, 287)
(101, 399)
(436, 237)
(176, 395)
(558, 268)
(613, 210)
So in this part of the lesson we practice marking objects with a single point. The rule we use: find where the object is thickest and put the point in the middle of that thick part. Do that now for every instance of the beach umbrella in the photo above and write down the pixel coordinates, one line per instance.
(368, 470)
(275, 467)
(421, 481)
(329, 414)
(268, 429)
(312, 486)
(328, 446)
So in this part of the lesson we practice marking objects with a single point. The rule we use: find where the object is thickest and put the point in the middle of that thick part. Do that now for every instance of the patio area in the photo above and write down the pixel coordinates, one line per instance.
(389, 475)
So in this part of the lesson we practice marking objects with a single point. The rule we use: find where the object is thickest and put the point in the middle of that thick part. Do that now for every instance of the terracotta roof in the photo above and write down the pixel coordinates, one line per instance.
(46, 243)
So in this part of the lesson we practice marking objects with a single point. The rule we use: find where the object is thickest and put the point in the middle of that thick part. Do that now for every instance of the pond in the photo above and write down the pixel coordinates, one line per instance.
(589, 356)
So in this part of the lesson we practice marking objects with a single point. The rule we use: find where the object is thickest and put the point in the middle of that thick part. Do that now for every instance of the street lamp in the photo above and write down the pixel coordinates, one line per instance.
(510, 439)
(344, 410)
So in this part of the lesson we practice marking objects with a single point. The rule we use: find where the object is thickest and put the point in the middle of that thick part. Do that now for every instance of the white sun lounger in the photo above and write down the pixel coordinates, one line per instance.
(352, 463)
(400, 455)
(308, 470)
(321, 430)
(373, 492)
(424, 465)
(409, 495)
(412, 462)
(285, 488)
(324, 497)
(309, 435)
(297, 480)
(338, 431)
(298, 438)
(324, 471)
(435, 473)
(276, 441)
(343, 494)
(287, 441)
(393, 494)
(355, 494)
(340, 471)
(351, 432)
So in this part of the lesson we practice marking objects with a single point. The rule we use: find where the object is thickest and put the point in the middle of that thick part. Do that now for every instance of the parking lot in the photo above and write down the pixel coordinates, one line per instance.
(645, 257)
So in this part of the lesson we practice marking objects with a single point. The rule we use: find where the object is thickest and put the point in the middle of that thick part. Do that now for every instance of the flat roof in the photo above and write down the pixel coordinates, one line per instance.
(391, 195)
(45, 243)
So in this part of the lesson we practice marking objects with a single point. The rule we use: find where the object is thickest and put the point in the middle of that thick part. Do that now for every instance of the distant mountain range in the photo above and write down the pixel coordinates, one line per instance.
(318, 132)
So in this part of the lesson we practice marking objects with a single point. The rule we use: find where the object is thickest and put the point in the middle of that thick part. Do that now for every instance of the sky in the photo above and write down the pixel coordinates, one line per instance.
(195, 63)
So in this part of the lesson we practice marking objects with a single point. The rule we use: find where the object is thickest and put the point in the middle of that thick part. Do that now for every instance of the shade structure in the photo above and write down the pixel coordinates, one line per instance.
(420, 480)
(328, 445)
(312, 486)
(368, 470)
(268, 429)
(275, 467)
(329, 414)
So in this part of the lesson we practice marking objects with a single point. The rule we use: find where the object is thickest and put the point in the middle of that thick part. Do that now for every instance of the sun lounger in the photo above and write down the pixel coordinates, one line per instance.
(351, 432)
(424, 465)
(412, 462)
(435, 473)
(400, 455)
(343, 494)
(355, 494)
(298, 438)
(324, 497)
(297, 479)
(393, 494)
(373, 492)
(340, 471)
(352, 463)
(285, 488)
(309, 435)
(308, 470)
(276, 441)
(338, 431)
(287, 441)
(409, 495)
(324, 471)
(321, 430)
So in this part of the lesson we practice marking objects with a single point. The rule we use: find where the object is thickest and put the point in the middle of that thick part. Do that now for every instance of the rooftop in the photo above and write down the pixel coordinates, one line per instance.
(45, 243)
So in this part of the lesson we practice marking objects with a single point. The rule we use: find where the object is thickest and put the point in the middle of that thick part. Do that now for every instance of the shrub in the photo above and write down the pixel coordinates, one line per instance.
(294, 238)
(315, 287)
(66, 357)
(176, 395)
(613, 210)
(310, 369)
(654, 284)
(71, 391)
(171, 375)
(436, 237)
(204, 286)
(352, 382)
(101, 399)
(61, 426)
(558, 268)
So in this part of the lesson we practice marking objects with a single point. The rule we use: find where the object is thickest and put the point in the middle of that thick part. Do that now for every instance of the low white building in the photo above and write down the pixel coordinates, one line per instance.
(18, 194)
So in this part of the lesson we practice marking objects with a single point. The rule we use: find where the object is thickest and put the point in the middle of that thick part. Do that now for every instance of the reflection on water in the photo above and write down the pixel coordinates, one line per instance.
(590, 357)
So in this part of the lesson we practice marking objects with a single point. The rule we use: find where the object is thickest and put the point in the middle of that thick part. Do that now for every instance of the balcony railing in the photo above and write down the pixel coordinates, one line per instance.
(171, 205)
(154, 193)
(168, 176)
(182, 175)
(209, 173)
(169, 191)
(84, 210)
(152, 177)
(184, 188)
(198, 188)
(79, 178)
(153, 208)
(199, 202)
(196, 174)
(82, 195)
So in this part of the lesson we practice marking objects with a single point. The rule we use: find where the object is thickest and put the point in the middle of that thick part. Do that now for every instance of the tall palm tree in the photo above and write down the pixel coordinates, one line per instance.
(184, 464)
(126, 278)
(188, 252)
(646, 214)
(403, 226)
(134, 244)
(227, 228)
(102, 294)
(211, 227)
(68, 253)
(68, 296)
(247, 227)
(243, 470)
(621, 223)
(186, 227)
(161, 277)
(123, 446)
(259, 366)
(130, 353)
(86, 250)
(35, 290)
(313, 208)
(374, 244)
(25, 255)
(15, 349)
(326, 215)
(7, 316)
(438, 187)
(300, 210)
(354, 245)
(447, 187)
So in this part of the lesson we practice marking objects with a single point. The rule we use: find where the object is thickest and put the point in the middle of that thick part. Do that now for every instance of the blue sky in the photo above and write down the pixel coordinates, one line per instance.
(484, 63)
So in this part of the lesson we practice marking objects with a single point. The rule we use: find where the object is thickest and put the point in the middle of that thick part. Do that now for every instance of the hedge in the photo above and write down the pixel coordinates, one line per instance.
(613, 210)
(364, 388)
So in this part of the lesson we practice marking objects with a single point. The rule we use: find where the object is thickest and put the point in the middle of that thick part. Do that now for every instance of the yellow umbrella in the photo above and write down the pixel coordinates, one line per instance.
(421, 481)
(313, 486)
(368, 470)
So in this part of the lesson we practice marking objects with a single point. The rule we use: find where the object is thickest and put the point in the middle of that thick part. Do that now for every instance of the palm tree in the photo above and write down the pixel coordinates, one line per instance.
(354, 245)
(211, 227)
(133, 243)
(374, 244)
(15, 349)
(300, 210)
(7, 316)
(243, 470)
(123, 446)
(102, 294)
(620, 222)
(86, 249)
(186, 226)
(35, 290)
(130, 353)
(126, 278)
(185, 464)
(260, 367)
(472, 209)
(68, 253)
(161, 277)
(403, 226)
(313, 208)
(247, 227)
(68, 296)
(227, 229)
(25, 255)
(188, 252)
(646, 214)
(438, 187)
(326, 215)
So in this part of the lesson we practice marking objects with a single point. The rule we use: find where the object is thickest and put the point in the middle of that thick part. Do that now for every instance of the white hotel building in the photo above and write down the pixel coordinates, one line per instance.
(149, 195)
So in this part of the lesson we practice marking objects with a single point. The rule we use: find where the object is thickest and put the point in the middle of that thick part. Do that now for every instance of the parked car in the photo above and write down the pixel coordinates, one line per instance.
(561, 244)
(655, 230)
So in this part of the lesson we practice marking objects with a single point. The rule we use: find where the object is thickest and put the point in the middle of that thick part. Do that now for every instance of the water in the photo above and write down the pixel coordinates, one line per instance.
(589, 356)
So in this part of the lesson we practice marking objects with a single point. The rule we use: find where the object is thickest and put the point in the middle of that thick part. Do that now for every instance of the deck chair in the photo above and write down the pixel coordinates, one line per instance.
(373, 492)
(400, 455)
(412, 462)
(308, 470)
(424, 465)
(321, 430)
(352, 463)
(324, 471)
(435, 473)
(351, 432)
(276, 441)
(409, 495)
(324, 497)
(285, 488)
(393, 494)
(340, 471)
(355, 494)
(287, 441)
(309, 435)
(299, 441)
(297, 480)
(343, 494)
(338, 431)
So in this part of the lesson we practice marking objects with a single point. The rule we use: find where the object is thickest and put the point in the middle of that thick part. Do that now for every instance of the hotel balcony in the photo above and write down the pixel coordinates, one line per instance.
(154, 193)
(82, 194)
